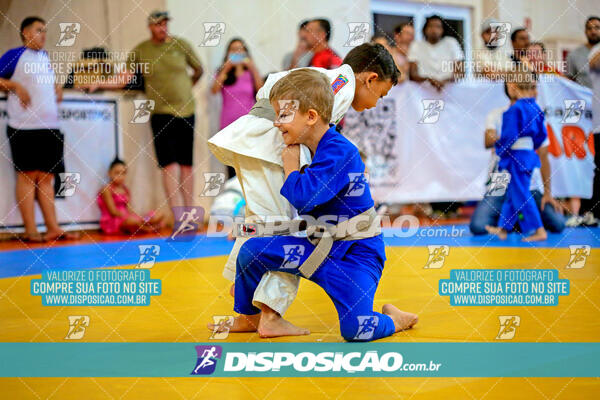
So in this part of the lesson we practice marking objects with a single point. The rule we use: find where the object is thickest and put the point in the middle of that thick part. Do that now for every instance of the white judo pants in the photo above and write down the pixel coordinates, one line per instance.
(261, 182)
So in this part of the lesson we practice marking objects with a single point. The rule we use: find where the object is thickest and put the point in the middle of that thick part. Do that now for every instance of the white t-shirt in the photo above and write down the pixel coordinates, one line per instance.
(595, 78)
(494, 121)
(497, 59)
(435, 60)
(31, 69)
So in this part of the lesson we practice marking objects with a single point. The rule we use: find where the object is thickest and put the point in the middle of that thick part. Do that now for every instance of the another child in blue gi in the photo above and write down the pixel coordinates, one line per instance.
(523, 131)
(351, 271)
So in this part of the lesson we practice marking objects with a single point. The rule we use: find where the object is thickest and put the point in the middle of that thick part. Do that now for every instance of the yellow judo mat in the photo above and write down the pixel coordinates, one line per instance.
(193, 291)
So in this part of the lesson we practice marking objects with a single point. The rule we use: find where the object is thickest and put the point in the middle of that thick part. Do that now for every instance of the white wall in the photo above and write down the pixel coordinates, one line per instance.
(268, 26)
(556, 19)
(115, 24)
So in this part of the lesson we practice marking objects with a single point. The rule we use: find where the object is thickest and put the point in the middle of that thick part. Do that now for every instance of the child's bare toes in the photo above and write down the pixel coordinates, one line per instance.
(268, 328)
(494, 230)
(402, 319)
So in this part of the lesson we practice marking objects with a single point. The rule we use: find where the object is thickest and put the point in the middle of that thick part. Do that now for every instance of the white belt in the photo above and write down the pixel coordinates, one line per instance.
(361, 226)
(523, 143)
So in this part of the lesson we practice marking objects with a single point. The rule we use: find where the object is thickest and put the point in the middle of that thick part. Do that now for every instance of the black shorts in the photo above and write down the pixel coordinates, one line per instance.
(37, 149)
(173, 139)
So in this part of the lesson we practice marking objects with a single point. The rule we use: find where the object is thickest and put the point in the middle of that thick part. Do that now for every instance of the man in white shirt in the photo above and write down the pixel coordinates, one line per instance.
(488, 209)
(438, 59)
(36, 143)
(492, 59)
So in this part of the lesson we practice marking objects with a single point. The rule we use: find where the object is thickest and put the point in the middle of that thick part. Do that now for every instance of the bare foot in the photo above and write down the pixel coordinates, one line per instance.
(52, 235)
(241, 323)
(33, 237)
(538, 235)
(402, 319)
(268, 328)
(494, 230)
(273, 325)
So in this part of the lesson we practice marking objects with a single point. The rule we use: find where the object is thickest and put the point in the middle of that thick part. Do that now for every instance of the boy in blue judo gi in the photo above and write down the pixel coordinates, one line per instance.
(345, 257)
(523, 131)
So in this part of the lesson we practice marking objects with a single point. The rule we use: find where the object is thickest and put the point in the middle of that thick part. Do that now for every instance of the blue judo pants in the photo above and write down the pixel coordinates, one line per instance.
(518, 199)
(350, 281)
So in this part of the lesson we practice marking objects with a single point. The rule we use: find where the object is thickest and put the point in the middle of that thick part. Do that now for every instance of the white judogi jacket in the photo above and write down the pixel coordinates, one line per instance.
(253, 146)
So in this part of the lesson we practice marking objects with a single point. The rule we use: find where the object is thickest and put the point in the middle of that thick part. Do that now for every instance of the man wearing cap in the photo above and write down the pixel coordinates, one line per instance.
(164, 62)
(492, 60)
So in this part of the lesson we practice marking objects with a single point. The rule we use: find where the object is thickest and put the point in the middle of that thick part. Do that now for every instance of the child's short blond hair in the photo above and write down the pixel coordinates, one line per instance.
(309, 87)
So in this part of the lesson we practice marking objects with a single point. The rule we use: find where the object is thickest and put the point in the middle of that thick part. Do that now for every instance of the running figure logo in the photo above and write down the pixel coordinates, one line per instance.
(207, 359)
(187, 222)
(287, 111)
(366, 327)
(142, 110)
(68, 33)
(498, 184)
(573, 111)
(292, 256)
(148, 255)
(213, 182)
(213, 31)
(508, 326)
(77, 325)
(358, 33)
(222, 325)
(68, 183)
(358, 183)
(579, 255)
(431, 111)
(500, 32)
(437, 256)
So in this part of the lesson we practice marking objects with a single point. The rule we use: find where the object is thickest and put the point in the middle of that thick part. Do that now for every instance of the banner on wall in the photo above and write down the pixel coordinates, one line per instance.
(92, 141)
(422, 145)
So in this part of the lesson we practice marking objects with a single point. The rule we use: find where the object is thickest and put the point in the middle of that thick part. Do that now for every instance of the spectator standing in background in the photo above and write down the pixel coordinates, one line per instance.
(36, 143)
(238, 81)
(382, 40)
(318, 35)
(577, 61)
(302, 54)
(492, 60)
(594, 65)
(404, 34)
(536, 59)
(438, 59)
(169, 84)
(520, 41)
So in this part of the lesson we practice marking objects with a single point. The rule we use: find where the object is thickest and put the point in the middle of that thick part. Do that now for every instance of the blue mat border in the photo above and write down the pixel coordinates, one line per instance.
(113, 254)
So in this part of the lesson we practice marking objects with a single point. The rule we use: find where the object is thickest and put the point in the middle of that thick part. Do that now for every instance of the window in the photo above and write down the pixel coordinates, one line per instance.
(387, 14)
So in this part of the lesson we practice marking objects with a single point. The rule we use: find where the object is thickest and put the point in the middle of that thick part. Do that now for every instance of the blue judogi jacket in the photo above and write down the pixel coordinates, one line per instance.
(524, 119)
(334, 184)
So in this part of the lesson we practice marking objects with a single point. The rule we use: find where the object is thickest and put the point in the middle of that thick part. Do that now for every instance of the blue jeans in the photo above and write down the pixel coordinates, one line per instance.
(487, 212)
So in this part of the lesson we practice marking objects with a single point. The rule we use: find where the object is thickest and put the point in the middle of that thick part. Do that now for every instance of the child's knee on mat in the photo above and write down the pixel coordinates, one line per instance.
(348, 332)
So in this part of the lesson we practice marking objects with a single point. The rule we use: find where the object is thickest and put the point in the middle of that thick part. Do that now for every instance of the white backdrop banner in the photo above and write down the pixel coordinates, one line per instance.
(91, 143)
(422, 145)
